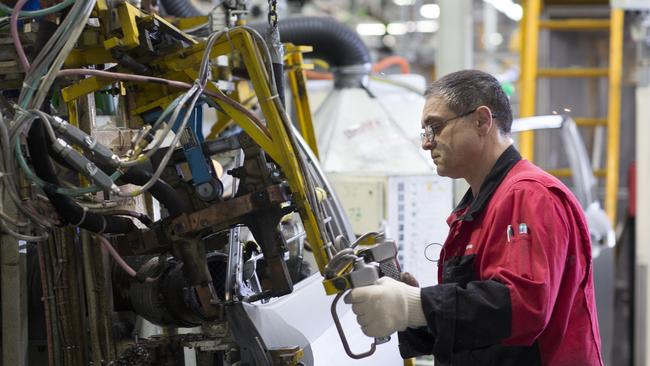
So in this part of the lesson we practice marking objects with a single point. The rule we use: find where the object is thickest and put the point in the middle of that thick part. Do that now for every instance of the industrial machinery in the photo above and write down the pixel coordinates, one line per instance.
(126, 209)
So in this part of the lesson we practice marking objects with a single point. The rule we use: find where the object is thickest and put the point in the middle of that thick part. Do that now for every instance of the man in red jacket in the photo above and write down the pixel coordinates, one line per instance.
(515, 274)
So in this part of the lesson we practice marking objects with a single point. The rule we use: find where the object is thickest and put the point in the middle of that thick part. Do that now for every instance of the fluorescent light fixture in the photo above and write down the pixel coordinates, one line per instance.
(511, 9)
(495, 39)
(371, 29)
(397, 29)
(421, 26)
(430, 11)
(411, 26)
(537, 123)
(427, 26)
(404, 2)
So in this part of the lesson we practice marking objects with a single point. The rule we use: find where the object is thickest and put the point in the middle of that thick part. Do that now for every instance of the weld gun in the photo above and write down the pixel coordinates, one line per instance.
(369, 258)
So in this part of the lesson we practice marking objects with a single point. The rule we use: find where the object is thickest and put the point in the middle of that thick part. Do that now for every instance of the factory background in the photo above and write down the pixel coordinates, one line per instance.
(188, 182)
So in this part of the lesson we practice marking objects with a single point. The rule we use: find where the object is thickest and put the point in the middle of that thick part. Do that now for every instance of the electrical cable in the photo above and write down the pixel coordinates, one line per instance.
(31, 238)
(6, 154)
(22, 124)
(37, 13)
(72, 192)
(53, 54)
(194, 93)
(203, 78)
(52, 60)
(169, 153)
(123, 76)
(38, 221)
(20, 52)
(119, 260)
(309, 188)
(40, 182)
(38, 79)
(172, 83)
(99, 207)
(311, 195)
(73, 36)
(143, 218)
(65, 206)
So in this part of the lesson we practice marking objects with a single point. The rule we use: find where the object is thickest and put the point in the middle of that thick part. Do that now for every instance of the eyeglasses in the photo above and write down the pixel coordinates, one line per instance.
(434, 129)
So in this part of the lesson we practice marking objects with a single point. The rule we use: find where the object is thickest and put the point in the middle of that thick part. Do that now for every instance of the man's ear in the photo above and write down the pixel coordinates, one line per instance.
(484, 120)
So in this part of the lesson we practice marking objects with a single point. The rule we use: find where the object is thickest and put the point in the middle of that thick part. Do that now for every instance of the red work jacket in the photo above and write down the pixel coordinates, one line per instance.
(515, 284)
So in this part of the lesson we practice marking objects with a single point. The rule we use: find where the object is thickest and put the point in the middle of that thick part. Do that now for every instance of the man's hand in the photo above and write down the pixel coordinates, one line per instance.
(386, 307)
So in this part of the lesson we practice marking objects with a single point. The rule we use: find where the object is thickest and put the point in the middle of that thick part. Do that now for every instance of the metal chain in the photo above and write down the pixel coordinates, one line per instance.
(273, 13)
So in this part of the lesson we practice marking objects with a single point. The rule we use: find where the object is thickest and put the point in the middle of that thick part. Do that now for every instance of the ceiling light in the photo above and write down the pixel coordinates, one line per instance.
(371, 29)
(495, 39)
(411, 26)
(427, 26)
(511, 9)
(431, 11)
(404, 2)
(396, 29)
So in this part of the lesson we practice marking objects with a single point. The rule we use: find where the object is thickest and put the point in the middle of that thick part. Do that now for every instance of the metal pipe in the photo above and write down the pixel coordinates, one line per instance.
(80, 304)
(56, 340)
(105, 299)
(91, 298)
(297, 81)
(13, 314)
(46, 305)
(575, 24)
(573, 72)
(529, 50)
(614, 112)
(59, 299)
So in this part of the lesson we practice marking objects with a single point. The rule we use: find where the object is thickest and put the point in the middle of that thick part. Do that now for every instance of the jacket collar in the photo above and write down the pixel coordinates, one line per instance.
(504, 163)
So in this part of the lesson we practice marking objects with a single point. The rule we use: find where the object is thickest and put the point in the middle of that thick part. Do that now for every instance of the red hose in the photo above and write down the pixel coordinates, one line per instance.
(390, 61)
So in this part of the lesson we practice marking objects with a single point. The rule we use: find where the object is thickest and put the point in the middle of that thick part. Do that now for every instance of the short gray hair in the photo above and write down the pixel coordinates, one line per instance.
(469, 89)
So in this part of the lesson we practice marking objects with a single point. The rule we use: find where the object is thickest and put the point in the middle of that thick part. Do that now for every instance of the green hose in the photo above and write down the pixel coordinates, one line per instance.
(37, 13)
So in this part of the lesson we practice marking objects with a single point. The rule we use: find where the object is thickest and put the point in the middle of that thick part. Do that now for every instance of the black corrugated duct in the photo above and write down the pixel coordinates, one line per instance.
(332, 41)
(181, 8)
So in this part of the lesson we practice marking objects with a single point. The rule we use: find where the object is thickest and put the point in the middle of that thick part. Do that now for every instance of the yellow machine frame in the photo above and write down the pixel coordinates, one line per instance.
(182, 65)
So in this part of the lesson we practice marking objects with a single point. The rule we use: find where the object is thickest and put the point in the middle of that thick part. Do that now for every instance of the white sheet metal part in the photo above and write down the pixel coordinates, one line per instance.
(303, 319)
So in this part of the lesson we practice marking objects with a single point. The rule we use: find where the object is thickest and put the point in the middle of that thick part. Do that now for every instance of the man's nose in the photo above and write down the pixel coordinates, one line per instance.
(428, 144)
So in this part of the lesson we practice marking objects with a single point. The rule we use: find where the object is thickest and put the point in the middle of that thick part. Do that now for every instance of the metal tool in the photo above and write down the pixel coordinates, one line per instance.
(367, 266)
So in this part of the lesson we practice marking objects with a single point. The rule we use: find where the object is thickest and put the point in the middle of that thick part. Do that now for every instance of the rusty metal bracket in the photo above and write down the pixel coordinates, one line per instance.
(225, 214)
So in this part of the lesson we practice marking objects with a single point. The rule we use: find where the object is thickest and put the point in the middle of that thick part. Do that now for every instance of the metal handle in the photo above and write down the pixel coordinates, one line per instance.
(344, 340)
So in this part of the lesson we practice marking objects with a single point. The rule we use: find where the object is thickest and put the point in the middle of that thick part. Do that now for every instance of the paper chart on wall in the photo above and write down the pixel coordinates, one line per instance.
(417, 207)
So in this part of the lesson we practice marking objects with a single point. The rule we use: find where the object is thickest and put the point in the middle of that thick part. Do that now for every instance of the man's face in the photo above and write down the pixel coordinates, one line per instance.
(456, 144)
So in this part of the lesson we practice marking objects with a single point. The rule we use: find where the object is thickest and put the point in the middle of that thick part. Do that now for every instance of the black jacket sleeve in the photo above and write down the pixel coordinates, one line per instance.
(414, 342)
(485, 319)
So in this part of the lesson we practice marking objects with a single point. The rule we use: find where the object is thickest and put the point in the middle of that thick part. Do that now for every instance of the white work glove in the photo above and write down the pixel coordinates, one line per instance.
(386, 307)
